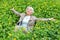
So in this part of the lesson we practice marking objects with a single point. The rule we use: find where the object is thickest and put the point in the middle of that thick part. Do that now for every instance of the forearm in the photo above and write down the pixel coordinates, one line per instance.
(44, 19)
(17, 13)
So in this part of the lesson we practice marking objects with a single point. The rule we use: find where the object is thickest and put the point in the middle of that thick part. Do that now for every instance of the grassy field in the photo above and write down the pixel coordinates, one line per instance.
(43, 30)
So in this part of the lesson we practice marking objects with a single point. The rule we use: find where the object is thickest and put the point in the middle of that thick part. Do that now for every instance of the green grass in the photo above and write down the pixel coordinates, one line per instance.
(43, 30)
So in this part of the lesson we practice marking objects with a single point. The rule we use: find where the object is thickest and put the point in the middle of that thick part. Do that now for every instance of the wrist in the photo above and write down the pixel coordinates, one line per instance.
(49, 19)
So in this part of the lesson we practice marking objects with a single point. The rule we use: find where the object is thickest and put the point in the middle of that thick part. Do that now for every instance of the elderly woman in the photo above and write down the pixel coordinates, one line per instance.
(27, 21)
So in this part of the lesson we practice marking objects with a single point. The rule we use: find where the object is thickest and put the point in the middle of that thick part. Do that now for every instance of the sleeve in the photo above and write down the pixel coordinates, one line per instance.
(43, 19)
(17, 13)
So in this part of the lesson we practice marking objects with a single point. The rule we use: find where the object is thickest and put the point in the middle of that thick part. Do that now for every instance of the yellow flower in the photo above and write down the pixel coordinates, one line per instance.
(32, 38)
(34, 35)
(45, 3)
(10, 34)
(49, 27)
(28, 3)
(9, 23)
(23, 28)
(32, 0)
(37, 27)
(14, 38)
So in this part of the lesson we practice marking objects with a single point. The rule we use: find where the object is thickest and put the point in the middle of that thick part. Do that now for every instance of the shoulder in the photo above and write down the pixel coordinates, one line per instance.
(34, 17)
(22, 14)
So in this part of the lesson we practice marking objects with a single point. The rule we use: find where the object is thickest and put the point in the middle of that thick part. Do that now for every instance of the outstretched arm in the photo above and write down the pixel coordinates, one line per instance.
(17, 13)
(45, 19)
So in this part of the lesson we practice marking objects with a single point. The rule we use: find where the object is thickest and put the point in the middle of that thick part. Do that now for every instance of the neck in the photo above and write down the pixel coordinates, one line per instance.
(28, 14)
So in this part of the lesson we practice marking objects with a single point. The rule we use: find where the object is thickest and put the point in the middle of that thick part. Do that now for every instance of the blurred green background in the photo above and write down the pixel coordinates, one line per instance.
(43, 30)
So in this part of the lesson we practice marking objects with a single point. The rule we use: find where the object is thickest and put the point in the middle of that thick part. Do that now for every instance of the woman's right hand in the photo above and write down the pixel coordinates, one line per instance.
(12, 9)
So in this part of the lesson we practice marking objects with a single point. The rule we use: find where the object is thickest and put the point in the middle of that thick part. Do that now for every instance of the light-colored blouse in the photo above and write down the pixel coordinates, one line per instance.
(25, 21)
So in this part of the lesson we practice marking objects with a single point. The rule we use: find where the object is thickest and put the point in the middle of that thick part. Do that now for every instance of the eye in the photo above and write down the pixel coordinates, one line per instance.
(30, 9)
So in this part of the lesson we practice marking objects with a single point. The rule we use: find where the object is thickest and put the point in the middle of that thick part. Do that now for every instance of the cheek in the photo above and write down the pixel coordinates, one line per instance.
(29, 11)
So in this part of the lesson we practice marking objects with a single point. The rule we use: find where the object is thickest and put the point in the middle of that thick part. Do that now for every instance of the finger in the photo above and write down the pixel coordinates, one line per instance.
(13, 8)
(53, 19)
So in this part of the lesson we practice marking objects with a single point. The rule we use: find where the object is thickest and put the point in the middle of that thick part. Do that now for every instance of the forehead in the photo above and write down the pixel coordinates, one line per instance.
(29, 8)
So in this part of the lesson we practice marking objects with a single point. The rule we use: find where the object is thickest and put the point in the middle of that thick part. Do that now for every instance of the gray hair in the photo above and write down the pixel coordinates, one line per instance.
(30, 8)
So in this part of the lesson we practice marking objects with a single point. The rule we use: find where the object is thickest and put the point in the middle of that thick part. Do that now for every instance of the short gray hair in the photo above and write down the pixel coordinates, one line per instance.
(30, 8)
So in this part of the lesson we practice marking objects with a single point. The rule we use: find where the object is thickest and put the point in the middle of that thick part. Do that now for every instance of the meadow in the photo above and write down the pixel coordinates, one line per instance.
(43, 30)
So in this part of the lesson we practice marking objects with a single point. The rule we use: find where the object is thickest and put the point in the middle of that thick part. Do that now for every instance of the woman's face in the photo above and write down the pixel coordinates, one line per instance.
(29, 11)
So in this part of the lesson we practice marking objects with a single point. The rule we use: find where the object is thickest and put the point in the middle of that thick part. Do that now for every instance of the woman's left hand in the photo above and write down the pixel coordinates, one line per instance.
(52, 19)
